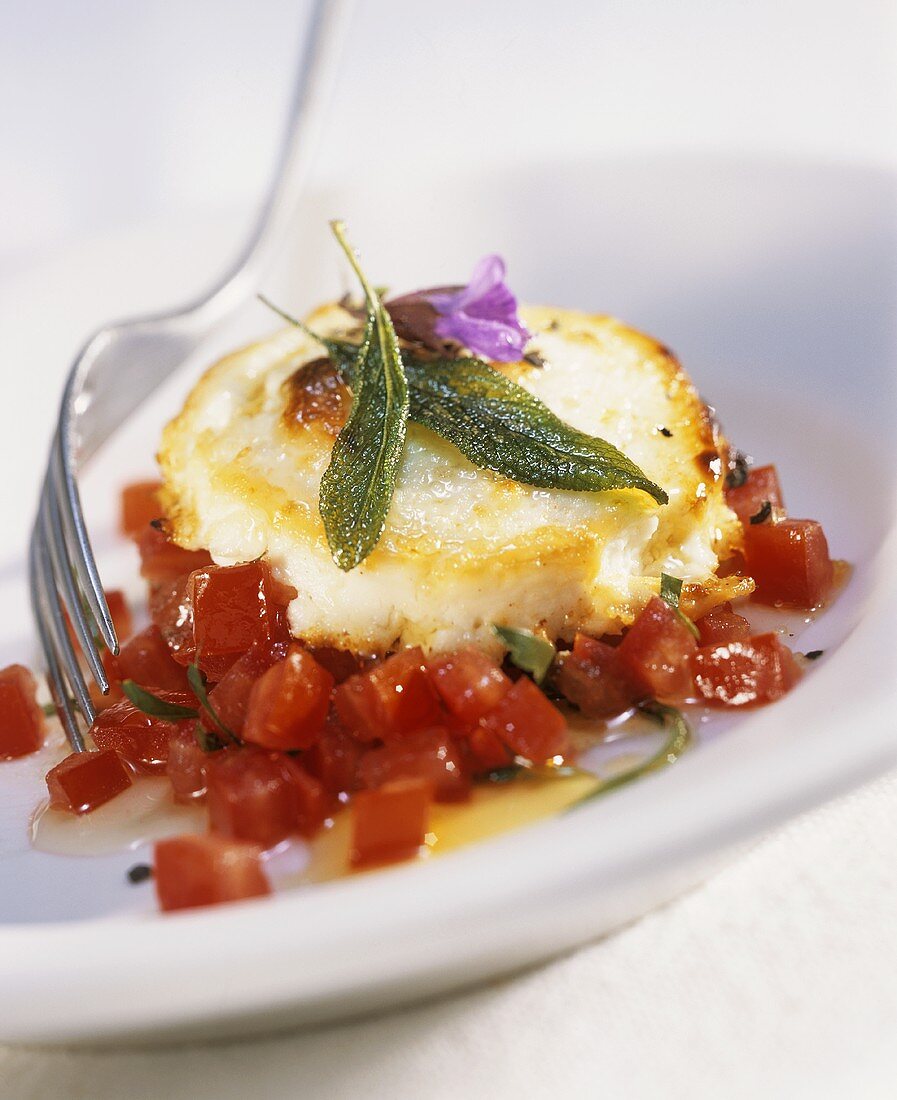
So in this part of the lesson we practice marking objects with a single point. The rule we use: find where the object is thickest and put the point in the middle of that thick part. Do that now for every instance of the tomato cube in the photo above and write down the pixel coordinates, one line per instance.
(528, 723)
(389, 823)
(485, 751)
(139, 738)
(85, 780)
(139, 506)
(146, 660)
(469, 683)
(744, 673)
(789, 562)
(288, 703)
(432, 755)
(262, 796)
(230, 696)
(186, 765)
(233, 608)
(339, 662)
(591, 679)
(191, 871)
(163, 560)
(653, 655)
(22, 723)
(334, 758)
(762, 485)
(391, 700)
(721, 625)
(171, 611)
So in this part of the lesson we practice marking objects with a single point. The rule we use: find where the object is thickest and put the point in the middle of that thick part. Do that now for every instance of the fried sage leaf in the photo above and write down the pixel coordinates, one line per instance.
(151, 704)
(527, 651)
(357, 486)
(502, 427)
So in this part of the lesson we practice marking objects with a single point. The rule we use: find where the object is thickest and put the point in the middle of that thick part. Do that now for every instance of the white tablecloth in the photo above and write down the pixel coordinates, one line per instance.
(777, 978)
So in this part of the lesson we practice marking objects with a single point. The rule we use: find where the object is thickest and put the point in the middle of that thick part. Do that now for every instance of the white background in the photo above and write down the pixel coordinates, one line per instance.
(780, 976)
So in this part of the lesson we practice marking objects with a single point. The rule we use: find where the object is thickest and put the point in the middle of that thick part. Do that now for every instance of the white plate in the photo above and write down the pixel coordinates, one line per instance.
(775, 284)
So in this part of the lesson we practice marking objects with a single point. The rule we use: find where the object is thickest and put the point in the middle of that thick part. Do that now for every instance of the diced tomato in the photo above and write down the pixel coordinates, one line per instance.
(340, 663)
(191, 871)
(171, 611)
(186, 765)
(428, 754)
(744, 673)
(146, 660)
(389, 823)
(288, 703)
(393, 699)
(139, 506)
(22, 721)
(139, 738)
(592, 680)
(528, 723)
(485, 751)
(262, 796)
(334, 758)
(163, 560)
(230, 696)
(85, 780)
(789, 562)
(654, 652)
(721, 625)
(469, 683)
(762, 485)
(233, 608)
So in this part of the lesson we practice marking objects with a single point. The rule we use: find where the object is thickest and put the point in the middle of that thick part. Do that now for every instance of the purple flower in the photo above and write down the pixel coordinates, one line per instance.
(482, 316)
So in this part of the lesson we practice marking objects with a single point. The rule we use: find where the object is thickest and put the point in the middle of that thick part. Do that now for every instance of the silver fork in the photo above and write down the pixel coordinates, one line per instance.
(119, 367)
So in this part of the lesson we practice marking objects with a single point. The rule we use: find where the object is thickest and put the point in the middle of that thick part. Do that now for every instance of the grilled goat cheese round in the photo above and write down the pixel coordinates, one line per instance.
(463, 547)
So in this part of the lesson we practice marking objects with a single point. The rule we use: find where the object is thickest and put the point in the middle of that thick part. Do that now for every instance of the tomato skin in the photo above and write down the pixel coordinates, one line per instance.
(390, 823)
(432, 755)
(146, 660)
(186, 765)
(139, 506)
(288, 704)
(85, 780)
(193, 871)
(721, 625)
(469, 683)
(654, 652)
(230, 696)
(139, 738)
(590, 678)
(22, 722)
(163, 560)
(262, 796)
(233, 608)
(762, 485)
(789, 562)
(746, 673)
(391, 700)
(334, 758)
(528, 723)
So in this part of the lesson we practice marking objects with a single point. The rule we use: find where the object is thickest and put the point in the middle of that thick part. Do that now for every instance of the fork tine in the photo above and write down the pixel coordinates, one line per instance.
(54, 538)
(56, 628)
(55, 679)
(80, 555)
